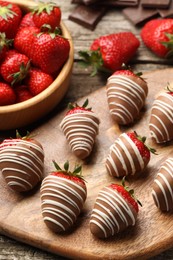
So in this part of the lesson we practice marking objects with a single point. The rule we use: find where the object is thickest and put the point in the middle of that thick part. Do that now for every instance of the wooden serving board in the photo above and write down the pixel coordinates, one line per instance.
(20, 214)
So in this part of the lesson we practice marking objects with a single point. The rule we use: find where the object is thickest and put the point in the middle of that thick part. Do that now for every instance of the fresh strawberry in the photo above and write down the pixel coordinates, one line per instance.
(14, 68)
(160, 123)
(10, 17)
(47, 13)
(27, 20)
(63, 194)
(126, 95)
(37, 81)
(7, 95)
(24, 39)
(4, 45)
(22, 93)
(157, 35)
(109, 52)
(106, 217)
(50, 51)
(80, 126)
(129, 155)
(21, 162)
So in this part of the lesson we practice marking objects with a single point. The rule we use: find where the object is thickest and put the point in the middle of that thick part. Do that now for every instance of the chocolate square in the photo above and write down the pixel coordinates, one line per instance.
(168, 12)
(139, 15)
(155, 3)
(87, 16)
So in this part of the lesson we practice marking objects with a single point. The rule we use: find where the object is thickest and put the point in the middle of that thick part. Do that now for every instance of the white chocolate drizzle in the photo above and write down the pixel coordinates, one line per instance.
(62, 200)
(129, 148)
(80, 130)
(161, 119)
(21, 163)
(111, 212)
(125, 98)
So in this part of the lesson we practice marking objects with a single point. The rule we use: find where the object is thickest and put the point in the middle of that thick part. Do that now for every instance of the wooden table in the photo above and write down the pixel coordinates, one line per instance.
(81, 85)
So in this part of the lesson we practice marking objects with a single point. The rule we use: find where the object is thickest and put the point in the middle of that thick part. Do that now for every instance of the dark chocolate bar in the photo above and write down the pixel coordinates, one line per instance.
(87, 16)
(139, 15)
(155, 3)
(168, 12)
(119, 3)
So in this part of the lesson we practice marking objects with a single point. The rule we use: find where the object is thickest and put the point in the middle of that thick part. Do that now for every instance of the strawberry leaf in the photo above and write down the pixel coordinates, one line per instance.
(58, 168)
(66, 166)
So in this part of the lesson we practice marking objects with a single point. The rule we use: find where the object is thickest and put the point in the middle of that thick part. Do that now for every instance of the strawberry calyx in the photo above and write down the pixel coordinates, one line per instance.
(21, 74)
(75, 175)
(27, 137)
(44, 7)
(168, 44)
(75, 108)
(6, 12)
(169, 90)
(140, 144)
(127, 193)
(46, 28)
(93, 59)
(4, 41)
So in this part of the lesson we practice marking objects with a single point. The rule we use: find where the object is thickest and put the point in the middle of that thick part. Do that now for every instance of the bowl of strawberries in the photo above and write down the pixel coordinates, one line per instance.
(36, 60)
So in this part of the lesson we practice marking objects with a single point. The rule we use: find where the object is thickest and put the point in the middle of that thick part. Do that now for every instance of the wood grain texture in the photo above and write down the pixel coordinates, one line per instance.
(20, 215)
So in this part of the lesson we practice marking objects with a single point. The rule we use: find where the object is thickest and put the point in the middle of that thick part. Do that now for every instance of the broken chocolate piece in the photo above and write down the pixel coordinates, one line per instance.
(139, 14)
(87, 16)
(155, 3)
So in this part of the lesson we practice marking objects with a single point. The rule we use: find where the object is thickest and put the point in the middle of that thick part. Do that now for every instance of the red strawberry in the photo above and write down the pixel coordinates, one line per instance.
(80, 126)
(115, 209)
(128, 155)
(10, 17)
(7, 95)
(111, 51)
(157, 35)
(50, 52)
(27, 20)
(4, 45)
(22, 93)
(21, 162)
(37, 81)
(23, 41)
(14, 68)
(63, 194)
(126, 95)
(47, 13)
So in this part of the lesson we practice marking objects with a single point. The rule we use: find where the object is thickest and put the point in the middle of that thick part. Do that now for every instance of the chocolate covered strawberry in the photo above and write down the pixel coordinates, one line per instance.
(63, 194)
(80, 126)
(10, 17)
(21, 162)
(128, 155)
(115, 209)
(157, 35)
(109, 52)
(47, 13)
(162, 188)
(126, 95)
(161, 118)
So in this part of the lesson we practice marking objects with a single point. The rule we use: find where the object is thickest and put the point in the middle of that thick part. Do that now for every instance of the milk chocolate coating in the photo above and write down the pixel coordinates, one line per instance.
(62, 201)
(21, 163)
(162, 190)
(80, 130)
(161, 120)
(111, 214)
(126, 96)
(124, 158)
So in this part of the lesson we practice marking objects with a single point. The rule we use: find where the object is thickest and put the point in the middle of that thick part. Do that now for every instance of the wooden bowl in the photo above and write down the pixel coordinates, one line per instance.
(24, 113)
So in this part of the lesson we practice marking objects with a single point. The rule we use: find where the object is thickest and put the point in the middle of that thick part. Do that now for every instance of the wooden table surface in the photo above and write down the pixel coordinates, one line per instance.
(81, 85)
